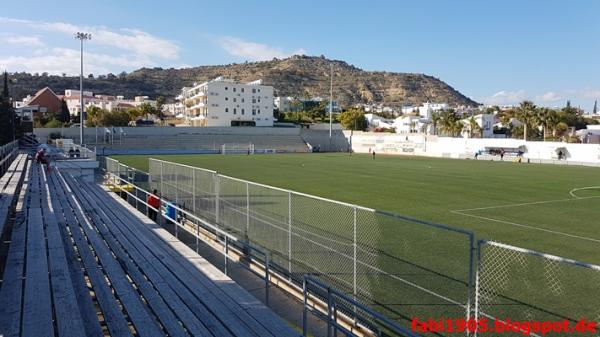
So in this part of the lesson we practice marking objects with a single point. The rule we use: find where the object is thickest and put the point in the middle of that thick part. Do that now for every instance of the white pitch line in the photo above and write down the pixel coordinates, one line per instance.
(572, 192)
(528, 226)
(526, 203)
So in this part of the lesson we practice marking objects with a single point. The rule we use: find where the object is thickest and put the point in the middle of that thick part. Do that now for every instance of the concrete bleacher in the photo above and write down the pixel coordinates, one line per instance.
(287, 143)
(183, 138)
(81, 262)
(320, 139)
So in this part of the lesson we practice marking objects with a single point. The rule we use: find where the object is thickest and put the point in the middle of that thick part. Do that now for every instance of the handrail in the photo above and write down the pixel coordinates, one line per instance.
(331, 316)
(227, 236)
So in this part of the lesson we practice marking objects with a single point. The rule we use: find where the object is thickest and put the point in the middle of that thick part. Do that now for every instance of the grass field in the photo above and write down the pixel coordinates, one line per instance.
(527, 205)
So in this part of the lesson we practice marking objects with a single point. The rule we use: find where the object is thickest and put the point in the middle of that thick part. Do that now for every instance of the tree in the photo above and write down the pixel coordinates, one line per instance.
(526, 114)
(474, 127)
(160, 101)
(147, 109)
(450, 123)
(7, 115)
(435, 120)
(64, 115)
(595, 111)
(353, 119)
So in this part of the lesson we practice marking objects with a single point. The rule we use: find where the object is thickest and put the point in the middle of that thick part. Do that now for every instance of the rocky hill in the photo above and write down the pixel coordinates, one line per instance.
(299, 76)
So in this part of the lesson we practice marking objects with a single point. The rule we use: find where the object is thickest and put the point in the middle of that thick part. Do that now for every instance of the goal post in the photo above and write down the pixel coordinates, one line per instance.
(237, 148)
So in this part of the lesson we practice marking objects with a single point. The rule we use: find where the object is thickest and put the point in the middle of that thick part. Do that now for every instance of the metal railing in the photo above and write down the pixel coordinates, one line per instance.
(343, 313)
(383, 263)
(8, 152)
(232, 248)
(379, 258)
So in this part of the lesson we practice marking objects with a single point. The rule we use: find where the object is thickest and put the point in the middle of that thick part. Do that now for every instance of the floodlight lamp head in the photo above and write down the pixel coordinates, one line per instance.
(83, 36)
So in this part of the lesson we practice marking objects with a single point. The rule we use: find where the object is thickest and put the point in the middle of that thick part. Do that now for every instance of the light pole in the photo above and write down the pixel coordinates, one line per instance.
(330, 103)
(81, 37)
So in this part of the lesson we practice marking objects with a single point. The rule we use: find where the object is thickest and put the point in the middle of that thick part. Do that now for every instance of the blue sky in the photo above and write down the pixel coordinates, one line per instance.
(497, 52)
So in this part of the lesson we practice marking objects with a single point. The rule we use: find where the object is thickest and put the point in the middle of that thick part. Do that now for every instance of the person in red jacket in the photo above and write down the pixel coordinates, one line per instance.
(153, 201)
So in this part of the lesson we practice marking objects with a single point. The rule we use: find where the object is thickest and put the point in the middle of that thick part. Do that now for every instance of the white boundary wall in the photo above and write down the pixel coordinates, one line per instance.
(434, 146)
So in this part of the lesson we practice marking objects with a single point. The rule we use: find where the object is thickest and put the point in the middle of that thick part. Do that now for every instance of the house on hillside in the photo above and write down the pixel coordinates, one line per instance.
(44, 101)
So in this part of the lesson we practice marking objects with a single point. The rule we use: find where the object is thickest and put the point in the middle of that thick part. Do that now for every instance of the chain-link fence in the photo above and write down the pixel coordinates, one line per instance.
(524, 285)
(392, 263)
(399, 266)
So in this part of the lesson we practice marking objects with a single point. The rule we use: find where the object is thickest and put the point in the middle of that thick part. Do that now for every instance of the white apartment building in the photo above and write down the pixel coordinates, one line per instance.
(225, 102)
(426, 109)
(106, 102)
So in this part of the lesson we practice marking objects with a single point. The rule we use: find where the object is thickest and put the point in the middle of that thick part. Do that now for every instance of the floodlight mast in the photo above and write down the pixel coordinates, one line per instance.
(81, 37)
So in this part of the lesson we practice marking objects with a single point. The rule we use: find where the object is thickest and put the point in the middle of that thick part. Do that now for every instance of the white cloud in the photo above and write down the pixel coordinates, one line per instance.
(549, 96)
(505, 97)
(63, 60)
(138, 42)
(21, 40)
(253, 51)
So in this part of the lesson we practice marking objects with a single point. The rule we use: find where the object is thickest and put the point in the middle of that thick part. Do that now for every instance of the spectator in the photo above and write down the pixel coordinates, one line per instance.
(373, 153)
(153, 201)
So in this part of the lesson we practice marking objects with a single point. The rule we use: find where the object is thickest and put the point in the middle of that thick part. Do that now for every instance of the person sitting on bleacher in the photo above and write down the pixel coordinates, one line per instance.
(40, 158)
(71, 153)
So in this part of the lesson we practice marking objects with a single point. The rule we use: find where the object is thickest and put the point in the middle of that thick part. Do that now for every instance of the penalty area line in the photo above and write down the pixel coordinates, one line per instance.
(528, 226)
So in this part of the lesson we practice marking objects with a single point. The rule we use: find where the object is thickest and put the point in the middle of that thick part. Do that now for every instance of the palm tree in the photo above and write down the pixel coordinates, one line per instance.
(474, 127)
(435, 120)
(552, 121)
(525, 113)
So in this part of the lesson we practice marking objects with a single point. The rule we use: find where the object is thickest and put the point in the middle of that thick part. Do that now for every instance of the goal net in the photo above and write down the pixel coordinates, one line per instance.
(237, 148)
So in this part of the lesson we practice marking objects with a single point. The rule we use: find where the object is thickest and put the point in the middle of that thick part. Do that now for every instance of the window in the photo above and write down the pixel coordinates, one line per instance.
(234, 111)
(226, 88)
(234, 89)
(235, 99)
(242, 89)
(253, 100)
(242, 100)
(226, 109)
(258, 111)
(253, 112)
(242, 111)
(227, 98)
(258, 99)
(253, 90)
(258, 90)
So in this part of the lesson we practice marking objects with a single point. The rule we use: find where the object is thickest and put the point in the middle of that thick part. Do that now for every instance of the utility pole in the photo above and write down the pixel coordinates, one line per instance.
(81, 37)
(330, 103)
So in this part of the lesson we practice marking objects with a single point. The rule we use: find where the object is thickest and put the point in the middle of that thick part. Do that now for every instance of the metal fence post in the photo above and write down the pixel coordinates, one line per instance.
(161, 179)
(217, 192)
(197, 236)
(267, 275)
(194, 191)
(354, 255)
(176, 185)
(226, 253)
(305, 309)
(247, 210)
(290, 236)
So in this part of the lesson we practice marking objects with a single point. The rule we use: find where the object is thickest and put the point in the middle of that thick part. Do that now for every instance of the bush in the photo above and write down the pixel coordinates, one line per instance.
(53, 123)
(54, 135)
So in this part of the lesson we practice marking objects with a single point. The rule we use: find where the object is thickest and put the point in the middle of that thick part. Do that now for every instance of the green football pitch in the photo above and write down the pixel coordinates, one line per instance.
(550, 208)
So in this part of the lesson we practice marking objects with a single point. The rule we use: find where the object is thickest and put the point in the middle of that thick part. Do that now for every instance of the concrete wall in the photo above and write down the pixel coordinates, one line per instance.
(42, 133)
(465, 147)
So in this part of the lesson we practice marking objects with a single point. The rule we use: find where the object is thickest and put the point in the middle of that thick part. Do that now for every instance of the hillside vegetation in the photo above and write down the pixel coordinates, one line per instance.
(299, 76)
